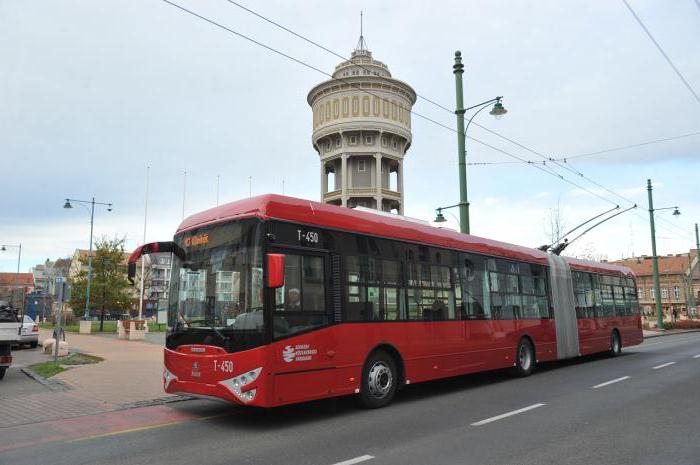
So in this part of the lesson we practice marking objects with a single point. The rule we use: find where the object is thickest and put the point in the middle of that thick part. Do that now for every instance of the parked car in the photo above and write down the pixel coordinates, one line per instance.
(29, 333)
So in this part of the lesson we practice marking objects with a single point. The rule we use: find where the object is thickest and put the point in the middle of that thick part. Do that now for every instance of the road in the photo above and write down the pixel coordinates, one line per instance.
(640, 408)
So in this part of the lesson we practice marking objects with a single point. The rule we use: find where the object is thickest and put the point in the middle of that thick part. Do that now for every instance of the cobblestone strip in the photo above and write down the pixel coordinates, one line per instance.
(47, 406)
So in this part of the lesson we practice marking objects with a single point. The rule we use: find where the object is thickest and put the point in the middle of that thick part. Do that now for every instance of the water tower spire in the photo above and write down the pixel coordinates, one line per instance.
(361, 44)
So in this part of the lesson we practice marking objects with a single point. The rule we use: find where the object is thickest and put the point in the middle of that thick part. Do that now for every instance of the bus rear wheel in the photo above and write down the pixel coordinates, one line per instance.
(615, 344)
(379, 380)
(2, 372)
(524, 358)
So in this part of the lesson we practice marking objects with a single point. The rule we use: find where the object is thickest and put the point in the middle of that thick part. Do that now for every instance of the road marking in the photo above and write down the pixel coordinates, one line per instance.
(508, 414)
(144, 428)
(617, 380)
(696, 356)
(647, 344)
(663, 365)
(362, 458)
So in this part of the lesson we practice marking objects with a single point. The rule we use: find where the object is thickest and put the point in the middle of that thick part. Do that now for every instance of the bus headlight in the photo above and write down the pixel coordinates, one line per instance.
(167, 378)
(237, 383)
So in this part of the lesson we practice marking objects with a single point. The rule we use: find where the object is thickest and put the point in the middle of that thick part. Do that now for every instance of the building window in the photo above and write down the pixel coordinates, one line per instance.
(652, 293)
(360, 166)
(640, 292)
(353, 139)
(664, 293)
(677, 292)
(369, 140)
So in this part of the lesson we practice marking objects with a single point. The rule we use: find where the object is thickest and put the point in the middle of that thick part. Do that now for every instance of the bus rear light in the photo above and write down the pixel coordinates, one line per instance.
(5, 359)
(237, 383)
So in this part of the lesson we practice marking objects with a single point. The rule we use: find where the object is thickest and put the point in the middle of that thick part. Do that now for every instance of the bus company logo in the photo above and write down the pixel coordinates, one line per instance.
(288, 354)
(201, 239)
(195, 370)
(298, 353)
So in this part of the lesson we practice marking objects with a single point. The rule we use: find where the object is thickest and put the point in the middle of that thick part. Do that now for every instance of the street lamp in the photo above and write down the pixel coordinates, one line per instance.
(498, 111)
(654, 257)
(3, 248)
(92, 204)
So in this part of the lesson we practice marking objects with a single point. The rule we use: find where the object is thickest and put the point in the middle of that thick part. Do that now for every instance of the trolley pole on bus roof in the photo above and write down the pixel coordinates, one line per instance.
(655, 258)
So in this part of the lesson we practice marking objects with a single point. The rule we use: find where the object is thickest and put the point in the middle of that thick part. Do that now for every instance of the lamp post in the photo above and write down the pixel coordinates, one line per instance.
(92, 203)
(3, 248)
(655, 258)
(497, 111)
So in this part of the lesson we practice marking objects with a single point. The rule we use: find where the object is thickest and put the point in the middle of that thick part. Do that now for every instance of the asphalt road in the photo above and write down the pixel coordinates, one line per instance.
(15, 382)
(635, 409)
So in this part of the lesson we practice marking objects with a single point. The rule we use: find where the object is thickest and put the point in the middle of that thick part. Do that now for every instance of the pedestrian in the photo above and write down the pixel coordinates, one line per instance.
(675, 314)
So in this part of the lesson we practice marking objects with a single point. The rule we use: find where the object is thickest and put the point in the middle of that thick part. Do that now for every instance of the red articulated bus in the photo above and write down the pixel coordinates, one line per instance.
(276, 300)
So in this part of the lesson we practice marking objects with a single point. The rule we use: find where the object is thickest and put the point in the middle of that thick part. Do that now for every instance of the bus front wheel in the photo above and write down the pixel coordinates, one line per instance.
(524, 358)
(615, 344)
(379, 380)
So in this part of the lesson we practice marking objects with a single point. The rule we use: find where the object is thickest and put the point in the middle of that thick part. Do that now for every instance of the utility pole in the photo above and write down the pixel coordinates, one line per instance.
(143, 261)
(458, 70)
(655, 261)
(697, 255)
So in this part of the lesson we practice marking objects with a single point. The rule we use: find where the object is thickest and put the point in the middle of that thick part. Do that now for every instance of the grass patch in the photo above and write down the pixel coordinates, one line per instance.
(49, 369)
(109, 327)
(46, 369)
(81, 359)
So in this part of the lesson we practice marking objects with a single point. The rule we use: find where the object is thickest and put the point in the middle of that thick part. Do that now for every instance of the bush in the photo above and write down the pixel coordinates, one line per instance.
(682, 324)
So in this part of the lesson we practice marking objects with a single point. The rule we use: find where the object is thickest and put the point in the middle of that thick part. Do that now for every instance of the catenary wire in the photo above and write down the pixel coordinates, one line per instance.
(556, 162)
(661, 50)
(433, 102)
(307, 65)
(296, 60)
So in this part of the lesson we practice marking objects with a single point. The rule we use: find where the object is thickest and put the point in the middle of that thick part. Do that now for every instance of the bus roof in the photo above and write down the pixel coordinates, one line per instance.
(291, 209)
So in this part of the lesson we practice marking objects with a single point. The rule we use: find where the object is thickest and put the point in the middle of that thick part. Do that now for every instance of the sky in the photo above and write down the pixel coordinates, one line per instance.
(93, 92)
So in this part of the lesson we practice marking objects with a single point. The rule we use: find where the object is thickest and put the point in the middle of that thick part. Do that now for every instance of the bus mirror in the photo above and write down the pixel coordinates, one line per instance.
(275, 270)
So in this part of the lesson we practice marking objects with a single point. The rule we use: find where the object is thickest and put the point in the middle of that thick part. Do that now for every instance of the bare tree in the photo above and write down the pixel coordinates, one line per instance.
(555, 223)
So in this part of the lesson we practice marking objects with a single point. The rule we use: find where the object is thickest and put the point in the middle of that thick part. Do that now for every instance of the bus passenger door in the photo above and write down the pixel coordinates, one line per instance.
(303, 344)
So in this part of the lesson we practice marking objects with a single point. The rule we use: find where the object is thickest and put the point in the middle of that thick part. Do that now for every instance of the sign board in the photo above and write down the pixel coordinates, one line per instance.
(162, 314)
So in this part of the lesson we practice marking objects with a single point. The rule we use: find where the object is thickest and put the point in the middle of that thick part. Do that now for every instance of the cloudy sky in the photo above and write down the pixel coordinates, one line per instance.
(92, 92)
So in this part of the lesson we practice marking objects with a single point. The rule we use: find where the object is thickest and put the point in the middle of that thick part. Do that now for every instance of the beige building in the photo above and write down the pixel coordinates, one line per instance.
(361, 131)
(679, 281)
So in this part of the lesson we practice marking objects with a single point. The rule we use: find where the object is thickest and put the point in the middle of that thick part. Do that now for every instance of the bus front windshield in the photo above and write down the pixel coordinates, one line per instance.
(216, 293)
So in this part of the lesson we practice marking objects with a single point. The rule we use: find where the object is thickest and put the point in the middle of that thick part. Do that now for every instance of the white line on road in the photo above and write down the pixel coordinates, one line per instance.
(696, 356)
(360, 459)
(508, 414)
(617, 380)
(663, 365)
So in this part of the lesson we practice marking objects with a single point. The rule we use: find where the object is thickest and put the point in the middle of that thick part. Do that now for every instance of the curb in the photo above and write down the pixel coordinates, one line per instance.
(671, 333)
(52, 384)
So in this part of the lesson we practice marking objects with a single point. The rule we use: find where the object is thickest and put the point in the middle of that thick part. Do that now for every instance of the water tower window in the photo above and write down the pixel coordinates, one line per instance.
(360, 166)
(353, 139)
(369, 140)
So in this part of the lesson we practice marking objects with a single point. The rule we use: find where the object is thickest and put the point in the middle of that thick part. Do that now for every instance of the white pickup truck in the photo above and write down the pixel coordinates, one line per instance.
(9, 335)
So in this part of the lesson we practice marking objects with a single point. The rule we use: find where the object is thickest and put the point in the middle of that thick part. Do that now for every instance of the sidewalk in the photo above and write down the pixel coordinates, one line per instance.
(131, 371)
(668, 332)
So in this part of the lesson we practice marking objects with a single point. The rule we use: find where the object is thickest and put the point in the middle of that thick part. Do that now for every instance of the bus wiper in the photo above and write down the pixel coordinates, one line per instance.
(217, 332)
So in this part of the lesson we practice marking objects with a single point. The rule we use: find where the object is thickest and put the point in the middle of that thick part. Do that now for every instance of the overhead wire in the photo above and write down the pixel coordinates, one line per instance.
(296, 60)
(661, 50)
(544, 168)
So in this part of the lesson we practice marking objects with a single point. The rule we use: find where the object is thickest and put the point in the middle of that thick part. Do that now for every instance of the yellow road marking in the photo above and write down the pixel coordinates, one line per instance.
(144, 428)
